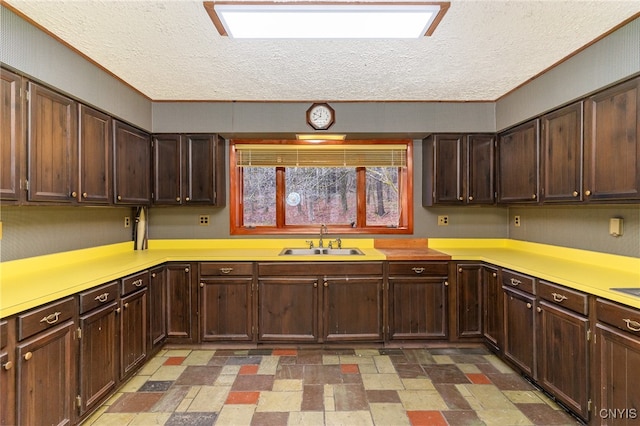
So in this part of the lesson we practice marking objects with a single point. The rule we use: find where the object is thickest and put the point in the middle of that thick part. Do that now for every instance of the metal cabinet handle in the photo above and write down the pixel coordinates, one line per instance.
(201, 284)
(126, 305)
(446, 283)
(315, 285)
(470, 197)
(533, 196)
(186, 269)
(326, 284)
(494, 275)
(137, 283)
(226, 270)
(575, 193)
(539, 309)
(632, 325)
(118, 310)
(178, 199)
(52, 318)
(7, 365)
(153, 275)
(28, 356)
(587, 192)
(529, 305)
(102, 298)
(459, 269)
(558, 297)
(515, 281)
(119, 197)
(85, 195)
(187, 199)
(74, 194)
(418, 270)
(461, 198)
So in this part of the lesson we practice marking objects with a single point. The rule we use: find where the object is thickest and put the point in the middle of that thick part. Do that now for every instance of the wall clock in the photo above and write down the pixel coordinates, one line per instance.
(320, 116)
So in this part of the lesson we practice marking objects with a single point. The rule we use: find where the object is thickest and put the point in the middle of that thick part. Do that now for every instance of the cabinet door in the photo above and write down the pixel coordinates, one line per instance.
(612, 143)
(179, 302)
(519, 336)
(518, 164)
(352, 309)
(7, 373)
(562, 154)
(481, 185)
(132, 161)
(46, 377)
(167, 169)
(492, 307)
(157, 308)
(94, 157)
(204, 170)
(52, 144)
(288, 309)
(133, 332)
(11, 136)
(469, 300)
(225, 308)
(448, 169)
(418, 308)
(618, 358)
(98, 360)
(562, 354)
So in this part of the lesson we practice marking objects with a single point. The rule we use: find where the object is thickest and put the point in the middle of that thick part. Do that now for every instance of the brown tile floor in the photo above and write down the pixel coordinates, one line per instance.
(328, 387)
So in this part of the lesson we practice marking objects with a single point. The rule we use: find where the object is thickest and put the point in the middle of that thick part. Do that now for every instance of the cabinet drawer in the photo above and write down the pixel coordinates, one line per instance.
(215, 269)
(622, 317)
(98, 296)
(520, 281)
(45, 317)
(440, 269)
(134, 282)
(563, 296)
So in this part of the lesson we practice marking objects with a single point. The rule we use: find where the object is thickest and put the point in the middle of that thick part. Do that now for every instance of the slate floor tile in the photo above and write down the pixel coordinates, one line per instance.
(191, 419)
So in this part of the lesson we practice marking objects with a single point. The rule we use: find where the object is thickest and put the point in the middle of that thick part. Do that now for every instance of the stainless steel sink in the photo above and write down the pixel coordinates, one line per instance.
(321, 251)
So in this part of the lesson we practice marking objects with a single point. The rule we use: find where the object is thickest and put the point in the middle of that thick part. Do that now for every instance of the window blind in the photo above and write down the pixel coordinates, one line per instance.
(383, 155)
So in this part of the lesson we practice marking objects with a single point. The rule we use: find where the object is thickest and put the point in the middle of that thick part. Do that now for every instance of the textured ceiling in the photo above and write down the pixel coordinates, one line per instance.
(482, 49)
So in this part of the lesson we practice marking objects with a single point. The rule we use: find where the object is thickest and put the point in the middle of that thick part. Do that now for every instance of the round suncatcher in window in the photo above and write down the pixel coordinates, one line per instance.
(293, 199)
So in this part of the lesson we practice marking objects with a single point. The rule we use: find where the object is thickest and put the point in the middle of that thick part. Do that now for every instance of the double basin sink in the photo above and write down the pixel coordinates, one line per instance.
(320, 251)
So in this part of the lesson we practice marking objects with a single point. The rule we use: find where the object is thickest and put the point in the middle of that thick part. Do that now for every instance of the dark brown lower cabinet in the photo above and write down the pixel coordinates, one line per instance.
(98, 357)
(418, 293)
(225, 308)
(469, 313)
(181, 297)
(519, 330)
(133, 332)
(157, 309)
(7, 373)
(352, 309)
(46, 377)
(562, 356)
(288, 309)
(492, 310)
(618, 363)
(320, 301)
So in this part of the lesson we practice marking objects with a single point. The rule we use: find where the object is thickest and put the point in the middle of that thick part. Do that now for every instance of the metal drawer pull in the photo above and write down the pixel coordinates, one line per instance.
(51, 319)
(418, 270)
(102, 298)
(529, 305)
(7, 365)
(137, 283)
(515, 282)
(226, 270)
(28, 356)
(632, 325)
(559, 297)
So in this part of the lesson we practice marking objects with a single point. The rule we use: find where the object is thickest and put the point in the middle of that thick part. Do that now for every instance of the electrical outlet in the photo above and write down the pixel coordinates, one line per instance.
(516, 220)
(127, 221)
(204, 220)
(443, 220)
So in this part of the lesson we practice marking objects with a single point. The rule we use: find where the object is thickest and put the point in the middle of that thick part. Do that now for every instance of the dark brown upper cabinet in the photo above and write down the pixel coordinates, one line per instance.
(11, 136)
(519, 164)
(132, 165)
(562, 154)
(52, 145)
(94, 156)
(188, 169)
(612, 148)
(458, 169)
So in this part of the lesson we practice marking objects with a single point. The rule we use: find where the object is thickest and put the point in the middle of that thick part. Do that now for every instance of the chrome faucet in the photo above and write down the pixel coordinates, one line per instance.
(323, 231)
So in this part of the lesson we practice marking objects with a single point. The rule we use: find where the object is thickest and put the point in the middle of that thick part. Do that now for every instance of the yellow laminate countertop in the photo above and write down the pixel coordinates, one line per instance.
(27, 283)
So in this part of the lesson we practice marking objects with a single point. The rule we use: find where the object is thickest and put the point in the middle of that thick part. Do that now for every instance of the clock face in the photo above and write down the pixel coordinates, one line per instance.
(320, 116)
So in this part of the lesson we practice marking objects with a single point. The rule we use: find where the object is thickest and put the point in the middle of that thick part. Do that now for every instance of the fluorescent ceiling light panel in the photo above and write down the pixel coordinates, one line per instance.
(328, 20)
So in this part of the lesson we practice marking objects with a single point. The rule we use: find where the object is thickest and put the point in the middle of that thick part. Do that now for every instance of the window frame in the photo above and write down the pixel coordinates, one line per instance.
(405, 184)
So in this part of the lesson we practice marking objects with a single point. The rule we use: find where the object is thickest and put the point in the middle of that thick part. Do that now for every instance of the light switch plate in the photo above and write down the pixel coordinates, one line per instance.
(615, 226)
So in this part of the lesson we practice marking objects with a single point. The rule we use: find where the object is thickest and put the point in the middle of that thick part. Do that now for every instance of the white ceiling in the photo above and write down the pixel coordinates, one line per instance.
(482, 49)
